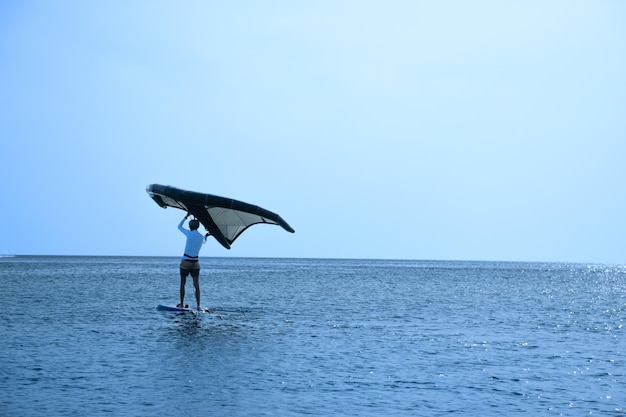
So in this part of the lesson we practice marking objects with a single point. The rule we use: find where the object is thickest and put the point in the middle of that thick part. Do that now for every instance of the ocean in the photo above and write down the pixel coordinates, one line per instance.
(81, 336)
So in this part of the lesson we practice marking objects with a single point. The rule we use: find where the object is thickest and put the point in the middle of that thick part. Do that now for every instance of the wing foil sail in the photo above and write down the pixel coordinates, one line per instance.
(224, 218)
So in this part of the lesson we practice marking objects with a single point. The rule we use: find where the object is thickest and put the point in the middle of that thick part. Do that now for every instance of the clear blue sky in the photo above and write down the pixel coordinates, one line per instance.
(469, 130)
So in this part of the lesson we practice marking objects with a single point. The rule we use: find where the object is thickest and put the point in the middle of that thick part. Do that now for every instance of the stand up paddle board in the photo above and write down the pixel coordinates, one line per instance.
(165, 307)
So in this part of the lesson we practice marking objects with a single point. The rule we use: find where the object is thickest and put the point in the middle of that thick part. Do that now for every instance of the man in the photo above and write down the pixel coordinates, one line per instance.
(190, 263)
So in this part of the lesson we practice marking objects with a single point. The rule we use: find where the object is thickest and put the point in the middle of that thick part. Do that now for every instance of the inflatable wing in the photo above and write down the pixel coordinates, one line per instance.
(224, 218)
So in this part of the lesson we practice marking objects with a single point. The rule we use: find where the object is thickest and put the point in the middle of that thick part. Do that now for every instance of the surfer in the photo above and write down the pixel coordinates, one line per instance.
(190, 263)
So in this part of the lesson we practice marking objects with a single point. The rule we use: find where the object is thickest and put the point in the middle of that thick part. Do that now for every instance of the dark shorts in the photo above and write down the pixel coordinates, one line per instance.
(185, 264)
(189, 267)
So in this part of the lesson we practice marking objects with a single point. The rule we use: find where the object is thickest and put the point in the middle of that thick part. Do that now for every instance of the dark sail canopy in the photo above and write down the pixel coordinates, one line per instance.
(224, 218)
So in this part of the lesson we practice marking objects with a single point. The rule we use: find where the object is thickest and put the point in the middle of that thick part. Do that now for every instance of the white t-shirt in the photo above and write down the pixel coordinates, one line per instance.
(194, 242)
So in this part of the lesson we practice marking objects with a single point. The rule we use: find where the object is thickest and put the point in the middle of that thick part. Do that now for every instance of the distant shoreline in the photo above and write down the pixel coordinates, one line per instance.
(424, 261)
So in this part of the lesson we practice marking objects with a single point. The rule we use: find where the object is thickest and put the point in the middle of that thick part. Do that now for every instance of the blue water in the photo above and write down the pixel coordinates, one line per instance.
(289, 337)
